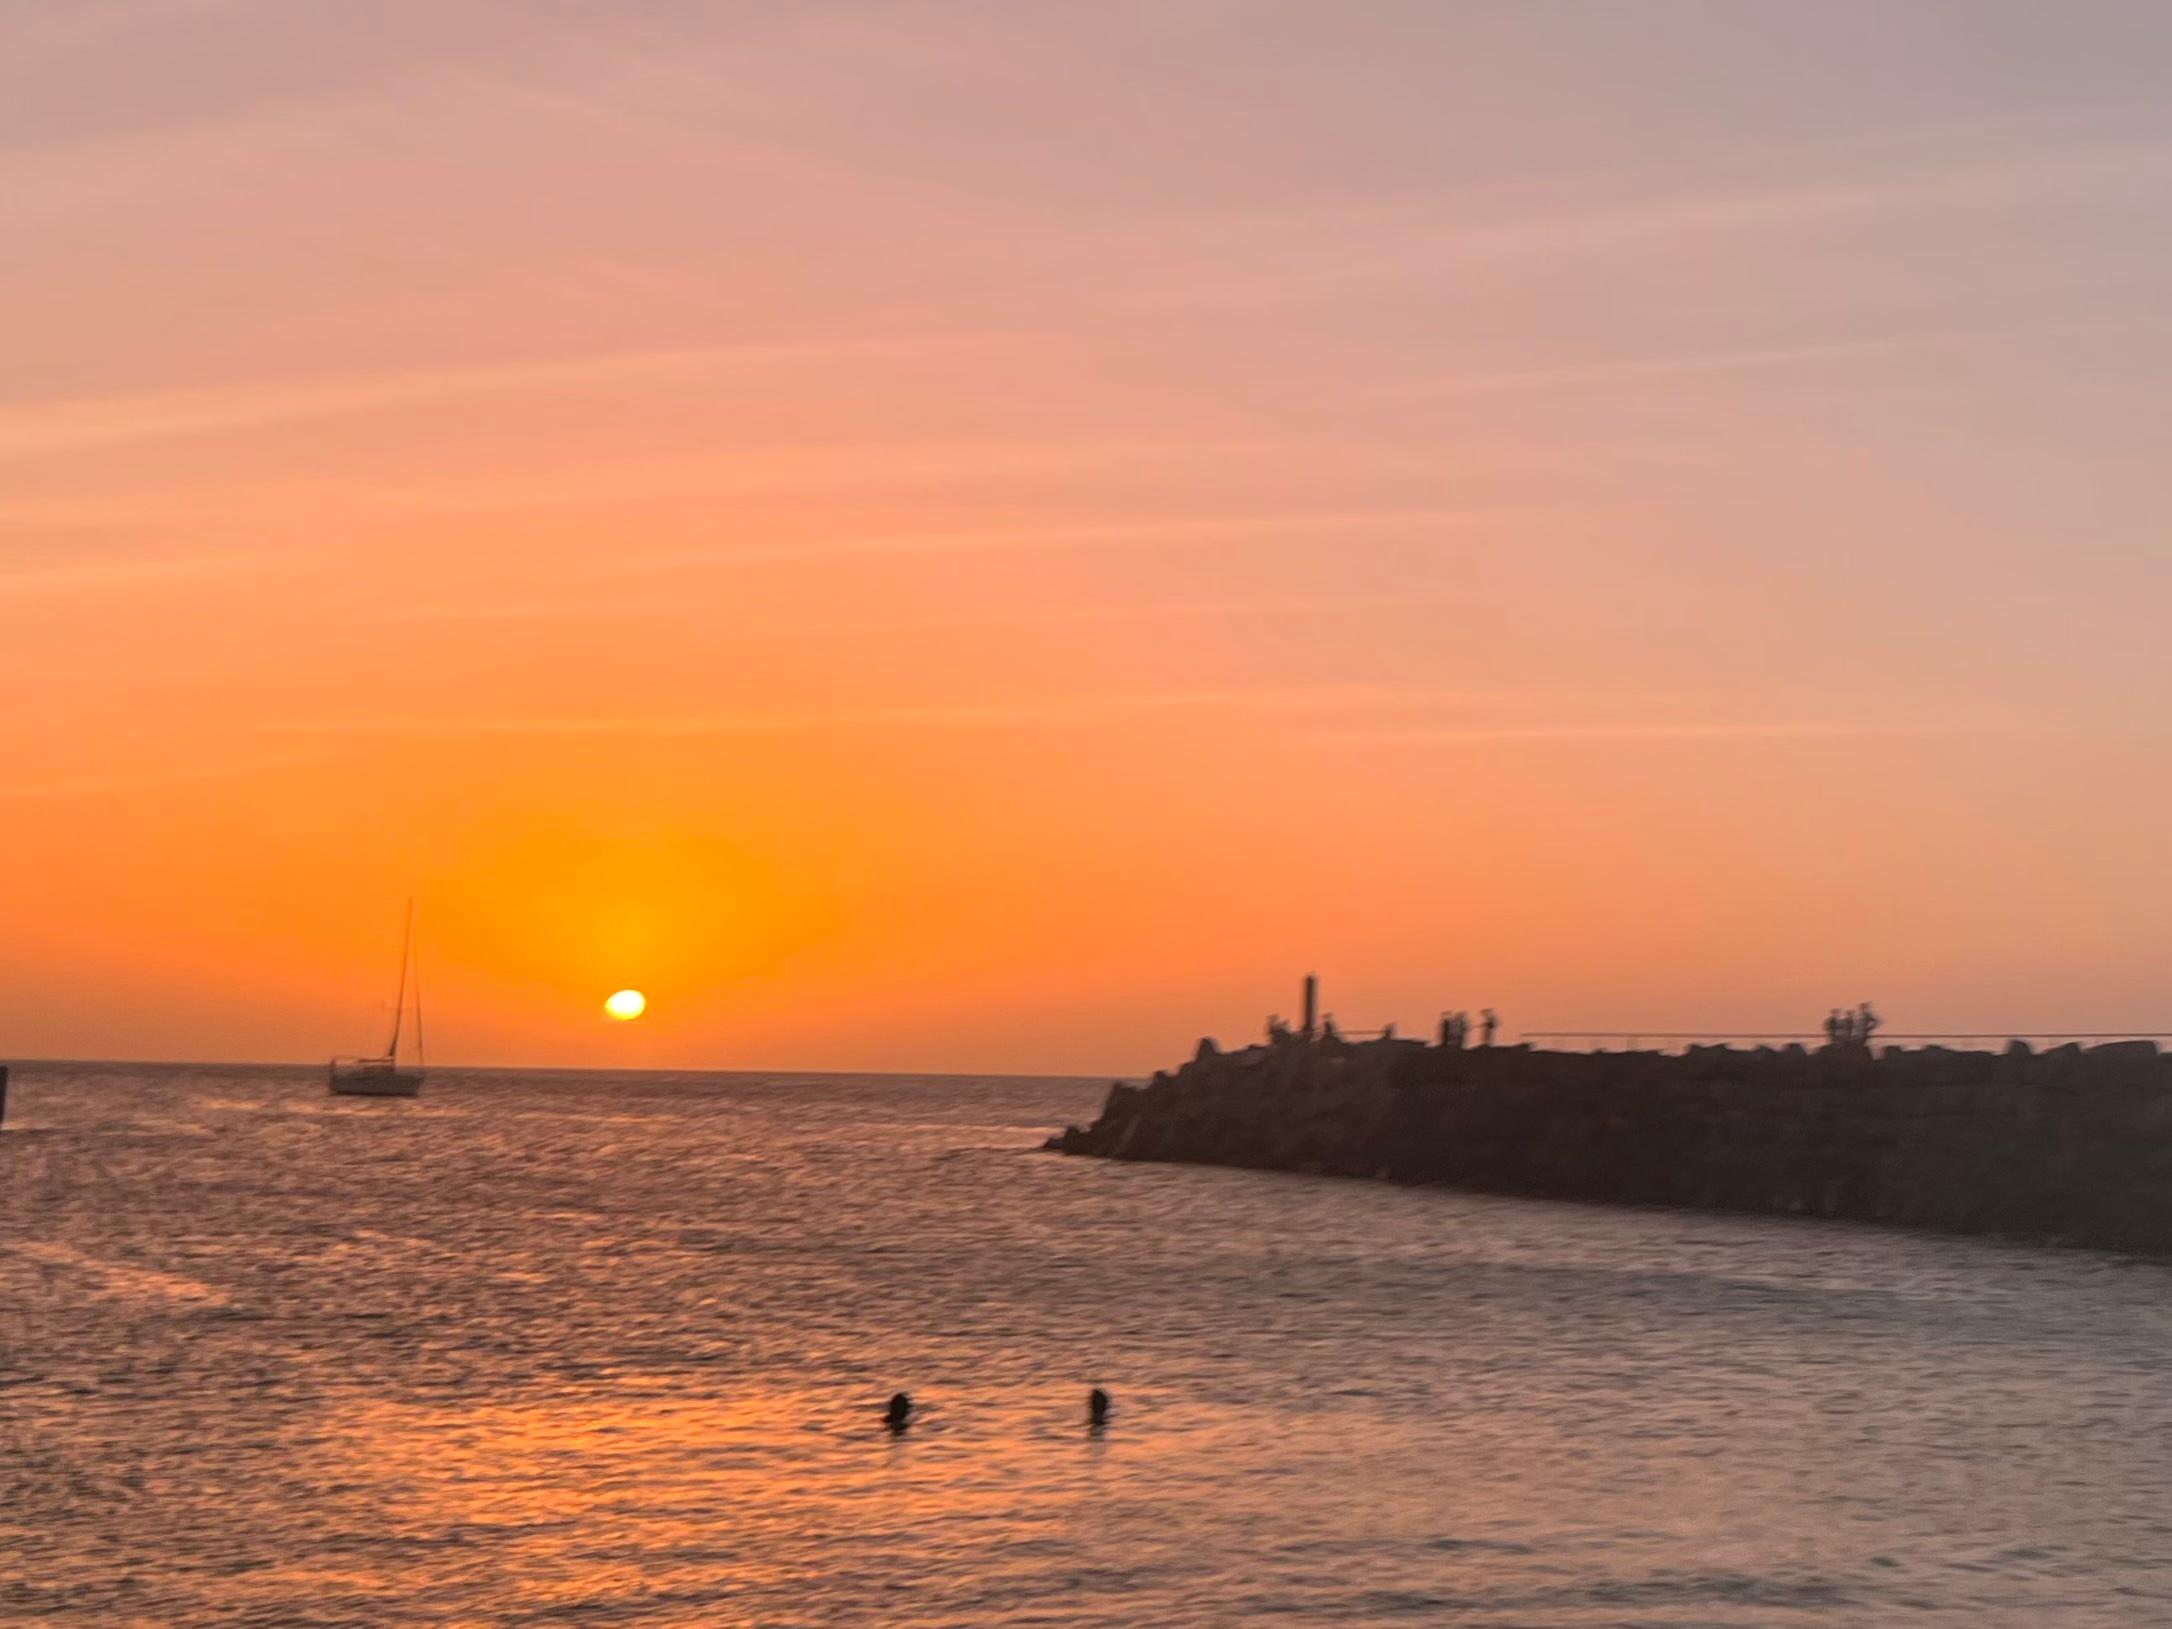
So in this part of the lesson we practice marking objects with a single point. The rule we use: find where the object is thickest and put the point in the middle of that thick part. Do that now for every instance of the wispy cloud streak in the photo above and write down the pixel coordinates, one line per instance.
(1571, 374)
(1415, 239)
(1083, 710)
(1690, 730)
(69, 423)
(108, 571)
(1356, 713)
(151, 780)
(1199, 530)
(1268, 605)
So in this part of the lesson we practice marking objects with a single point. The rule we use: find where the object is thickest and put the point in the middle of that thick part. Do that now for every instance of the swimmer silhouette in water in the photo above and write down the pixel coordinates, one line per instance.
(1097, 1408)
(899, 1414)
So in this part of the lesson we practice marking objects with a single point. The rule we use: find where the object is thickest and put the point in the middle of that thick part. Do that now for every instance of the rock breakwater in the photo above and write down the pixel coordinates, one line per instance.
(2072, 1144)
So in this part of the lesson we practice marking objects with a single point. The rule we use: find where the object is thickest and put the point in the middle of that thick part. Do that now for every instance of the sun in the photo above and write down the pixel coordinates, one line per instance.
(626, 1005)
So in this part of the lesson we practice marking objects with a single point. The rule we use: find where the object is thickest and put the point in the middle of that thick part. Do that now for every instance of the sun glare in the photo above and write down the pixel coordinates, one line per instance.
(626, 1005)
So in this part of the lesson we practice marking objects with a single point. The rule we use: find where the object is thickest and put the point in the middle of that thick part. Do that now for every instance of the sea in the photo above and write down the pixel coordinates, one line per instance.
(596, 1349)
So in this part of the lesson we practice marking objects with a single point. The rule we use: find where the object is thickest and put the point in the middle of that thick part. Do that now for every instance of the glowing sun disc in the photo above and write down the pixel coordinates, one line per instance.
(626, 1005)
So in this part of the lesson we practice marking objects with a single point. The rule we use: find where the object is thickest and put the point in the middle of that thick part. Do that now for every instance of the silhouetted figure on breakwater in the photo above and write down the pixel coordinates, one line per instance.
(899, 1414)
(1852, 1028)
(1455, 1030)
(1489, 1025)
(1097, 1408)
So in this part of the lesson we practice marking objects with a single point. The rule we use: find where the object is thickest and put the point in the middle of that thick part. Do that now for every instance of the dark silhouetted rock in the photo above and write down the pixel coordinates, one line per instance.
(2070, 1144)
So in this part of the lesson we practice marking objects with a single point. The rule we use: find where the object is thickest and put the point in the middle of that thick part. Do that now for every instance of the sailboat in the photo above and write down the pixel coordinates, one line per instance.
(383, 1077)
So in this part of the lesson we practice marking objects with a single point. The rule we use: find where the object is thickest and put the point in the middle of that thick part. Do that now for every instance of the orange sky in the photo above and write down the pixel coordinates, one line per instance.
(994, 537)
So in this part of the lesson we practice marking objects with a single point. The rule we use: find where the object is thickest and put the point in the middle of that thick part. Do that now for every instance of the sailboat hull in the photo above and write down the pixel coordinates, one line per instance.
(351, 1080)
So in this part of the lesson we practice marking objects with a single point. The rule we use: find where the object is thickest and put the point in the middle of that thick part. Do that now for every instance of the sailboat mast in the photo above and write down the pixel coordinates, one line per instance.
(418, 1013)
(399, 1001)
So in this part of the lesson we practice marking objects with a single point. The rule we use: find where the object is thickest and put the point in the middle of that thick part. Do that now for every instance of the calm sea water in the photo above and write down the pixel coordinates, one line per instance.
(604, 1350)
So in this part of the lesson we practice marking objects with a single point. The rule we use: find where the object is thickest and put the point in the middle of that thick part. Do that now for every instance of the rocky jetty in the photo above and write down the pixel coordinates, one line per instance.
(2071, 1145)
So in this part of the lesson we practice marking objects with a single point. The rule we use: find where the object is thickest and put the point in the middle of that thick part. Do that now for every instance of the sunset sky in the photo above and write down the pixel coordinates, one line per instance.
(994, 536)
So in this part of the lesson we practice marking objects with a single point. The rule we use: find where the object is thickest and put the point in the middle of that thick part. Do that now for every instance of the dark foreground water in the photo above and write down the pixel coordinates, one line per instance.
(582, 1349)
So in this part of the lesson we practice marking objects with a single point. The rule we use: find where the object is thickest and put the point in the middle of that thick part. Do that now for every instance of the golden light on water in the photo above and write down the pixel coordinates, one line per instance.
(626, 1005)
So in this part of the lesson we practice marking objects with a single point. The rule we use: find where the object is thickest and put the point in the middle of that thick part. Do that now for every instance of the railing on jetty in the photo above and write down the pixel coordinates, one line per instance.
(1657, 1040)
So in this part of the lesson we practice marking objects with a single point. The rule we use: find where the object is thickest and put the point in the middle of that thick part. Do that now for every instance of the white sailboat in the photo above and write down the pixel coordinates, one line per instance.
(383, 1076)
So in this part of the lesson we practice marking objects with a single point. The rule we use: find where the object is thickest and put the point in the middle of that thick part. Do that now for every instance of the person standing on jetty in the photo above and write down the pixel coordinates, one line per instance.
(1852, 1028)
